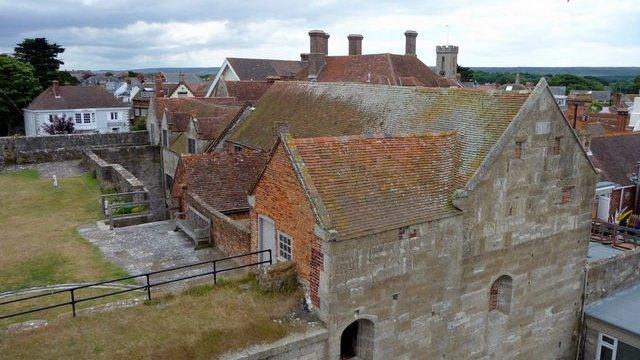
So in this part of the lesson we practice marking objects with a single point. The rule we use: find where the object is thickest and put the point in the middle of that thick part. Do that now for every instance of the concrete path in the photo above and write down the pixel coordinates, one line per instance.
(58, 168)
(152, 247)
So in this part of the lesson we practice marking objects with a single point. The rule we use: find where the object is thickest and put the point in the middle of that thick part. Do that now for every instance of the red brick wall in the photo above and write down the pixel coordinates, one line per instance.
(279, 196)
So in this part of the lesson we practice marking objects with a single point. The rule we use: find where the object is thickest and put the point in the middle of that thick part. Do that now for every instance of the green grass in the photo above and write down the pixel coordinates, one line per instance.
(39, 242)
(202, 323)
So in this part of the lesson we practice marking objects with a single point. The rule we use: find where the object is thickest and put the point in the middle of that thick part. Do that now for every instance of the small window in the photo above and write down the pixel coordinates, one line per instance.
(168, 181)
(114, 116)
(284, 247)
(556, 145)
(606, 347)
(518, 150)
(115, 129)
(87, 118)
(566, 194)
(500, 294)
(136, 112)
(51, 116)
(78, 118)
(192, 146)
(237, 148)
(165, 141)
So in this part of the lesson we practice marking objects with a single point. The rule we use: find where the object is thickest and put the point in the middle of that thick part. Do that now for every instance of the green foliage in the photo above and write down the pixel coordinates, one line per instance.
(65, 78)
(466, 74)
(108, 73)
(18, 86)
(636, 84)
(596, 106)
(132, 73)
(198, 290)
(43, 56)
(140, 124)
(573, 82)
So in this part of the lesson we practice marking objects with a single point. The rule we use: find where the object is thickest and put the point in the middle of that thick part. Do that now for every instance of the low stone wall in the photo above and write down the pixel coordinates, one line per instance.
(230, 236)
(608, 276)
(36, 149)
(312, 345)
(112, 177)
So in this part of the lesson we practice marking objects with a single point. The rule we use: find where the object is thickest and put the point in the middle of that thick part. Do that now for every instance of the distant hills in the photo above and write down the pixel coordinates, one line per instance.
(607, 73)
(194, 70)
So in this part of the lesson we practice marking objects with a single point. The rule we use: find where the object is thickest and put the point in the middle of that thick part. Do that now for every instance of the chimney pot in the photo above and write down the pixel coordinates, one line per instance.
(316, 42)
(158, 86)
(355, 44)
(623, 119)
(410, 42)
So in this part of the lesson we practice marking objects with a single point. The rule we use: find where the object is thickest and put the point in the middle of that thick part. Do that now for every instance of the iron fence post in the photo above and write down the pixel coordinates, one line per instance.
(73, 303)
(148, 288)
(215, 273)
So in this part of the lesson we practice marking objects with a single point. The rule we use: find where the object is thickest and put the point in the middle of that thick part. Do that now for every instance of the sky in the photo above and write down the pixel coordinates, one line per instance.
(118, 34)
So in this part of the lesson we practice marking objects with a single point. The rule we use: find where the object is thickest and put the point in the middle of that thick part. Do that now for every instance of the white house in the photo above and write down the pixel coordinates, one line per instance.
(92, 109)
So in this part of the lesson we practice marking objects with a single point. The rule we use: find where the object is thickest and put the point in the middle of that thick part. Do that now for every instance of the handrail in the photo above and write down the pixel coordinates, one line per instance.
(616, 233)
(147, 286)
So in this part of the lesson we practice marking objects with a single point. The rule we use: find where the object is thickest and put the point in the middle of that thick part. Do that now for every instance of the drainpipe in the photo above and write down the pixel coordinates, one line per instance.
(583, 327)
(635, 204)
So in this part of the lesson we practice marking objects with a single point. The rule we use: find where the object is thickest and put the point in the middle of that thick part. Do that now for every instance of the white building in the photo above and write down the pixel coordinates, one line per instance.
(92, 109)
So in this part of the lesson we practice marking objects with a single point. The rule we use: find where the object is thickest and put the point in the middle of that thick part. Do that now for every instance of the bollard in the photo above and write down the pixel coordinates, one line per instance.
(55, 181)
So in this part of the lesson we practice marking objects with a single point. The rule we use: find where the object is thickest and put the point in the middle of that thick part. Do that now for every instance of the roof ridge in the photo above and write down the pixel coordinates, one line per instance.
(434, 134)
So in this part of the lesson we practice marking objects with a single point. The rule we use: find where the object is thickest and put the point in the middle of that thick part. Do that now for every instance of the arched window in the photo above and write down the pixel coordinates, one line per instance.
(500, 294)
(357, 340)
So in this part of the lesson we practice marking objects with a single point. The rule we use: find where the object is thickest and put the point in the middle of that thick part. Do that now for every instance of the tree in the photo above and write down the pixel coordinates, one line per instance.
(132, 73)
(59, 125)
(636, 84)
(466, 74)
(65, 78)
(18, 86)
(43, 56)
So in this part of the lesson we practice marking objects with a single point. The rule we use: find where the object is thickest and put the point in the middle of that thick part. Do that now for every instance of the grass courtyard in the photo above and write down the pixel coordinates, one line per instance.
(38, 239)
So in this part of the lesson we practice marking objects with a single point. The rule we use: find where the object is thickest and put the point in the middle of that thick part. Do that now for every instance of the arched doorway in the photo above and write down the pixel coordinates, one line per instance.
(357, 340)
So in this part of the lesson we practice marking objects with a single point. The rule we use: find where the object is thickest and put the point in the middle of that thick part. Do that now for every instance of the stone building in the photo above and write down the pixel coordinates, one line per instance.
(465, 240)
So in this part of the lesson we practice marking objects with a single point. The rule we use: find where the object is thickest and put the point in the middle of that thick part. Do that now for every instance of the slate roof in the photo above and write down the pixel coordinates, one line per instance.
(259, 69)
(337, 109)
(211, 127)
(75, 97)
(619, 310)
(222, 179)
(247, 90)
(558, 90)
(199, 107)
(600, 95)
(373, 184)
(385, 69)
(616, 156)
(189, 78)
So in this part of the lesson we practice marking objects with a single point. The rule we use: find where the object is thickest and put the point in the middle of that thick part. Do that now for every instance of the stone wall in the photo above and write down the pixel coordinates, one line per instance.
(111, 177)
(24, 150)
(231, 236)
(312, 345)
(608, 276)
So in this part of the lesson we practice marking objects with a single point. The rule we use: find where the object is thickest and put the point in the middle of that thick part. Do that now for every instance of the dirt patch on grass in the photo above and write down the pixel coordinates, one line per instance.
(39, 243)
(202, 323)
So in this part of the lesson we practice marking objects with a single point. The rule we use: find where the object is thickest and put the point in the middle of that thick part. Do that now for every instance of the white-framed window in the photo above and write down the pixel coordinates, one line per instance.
(114, 116)
(86, 117)
(285, 249)
(78, 118)
(607, 347)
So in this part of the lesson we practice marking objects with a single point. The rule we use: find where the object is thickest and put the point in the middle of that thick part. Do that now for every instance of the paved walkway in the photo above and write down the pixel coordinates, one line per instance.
(151, 247)
(58, 168)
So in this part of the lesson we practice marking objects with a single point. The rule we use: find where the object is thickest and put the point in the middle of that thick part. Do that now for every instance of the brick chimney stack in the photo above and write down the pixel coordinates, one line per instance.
(318, 49)
(410, 42)
(158, 86)
(355, 44)
(55, 88)
(622, 119)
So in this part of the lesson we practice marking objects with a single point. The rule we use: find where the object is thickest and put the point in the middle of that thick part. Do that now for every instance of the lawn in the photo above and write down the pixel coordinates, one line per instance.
(38, 238)
(201, 323)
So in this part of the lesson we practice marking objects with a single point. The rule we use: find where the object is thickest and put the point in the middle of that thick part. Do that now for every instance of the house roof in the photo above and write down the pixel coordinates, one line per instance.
(199, 107)
(211, 127)
(616, 156)
(75, 97)
(372, 184)
(385, 69)
(190, 78)
(222, 179)
(259, 69)
(619, 310)
(600, 95)
(558, 90)
(337, 109)
(247, 90)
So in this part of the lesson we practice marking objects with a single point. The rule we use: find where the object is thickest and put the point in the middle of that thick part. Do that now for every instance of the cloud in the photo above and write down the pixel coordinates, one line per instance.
(117, 34)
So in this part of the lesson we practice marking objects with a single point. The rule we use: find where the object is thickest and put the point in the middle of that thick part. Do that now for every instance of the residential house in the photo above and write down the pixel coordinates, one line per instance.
(92, 109)
(318, 65)
(617, 156)
(603, 96)
(442, 243)
(212, 189)
(560, 94)
(143, 97)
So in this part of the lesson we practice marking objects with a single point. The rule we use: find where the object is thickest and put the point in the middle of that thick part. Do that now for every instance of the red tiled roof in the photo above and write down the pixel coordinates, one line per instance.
(616, 156)
(247, 90)
(337, 109)
(373, 184)
(200, 107)
(178, 121)
(75, 97)
(222, 180)
(211, 127)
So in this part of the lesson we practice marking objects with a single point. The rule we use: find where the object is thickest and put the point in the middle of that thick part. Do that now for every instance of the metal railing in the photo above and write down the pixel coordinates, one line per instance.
(608, 232)
(147, 286)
